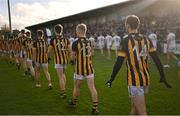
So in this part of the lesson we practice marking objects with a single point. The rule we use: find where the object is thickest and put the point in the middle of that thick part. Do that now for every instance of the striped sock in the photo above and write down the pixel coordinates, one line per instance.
(74, 101)
(95, 105)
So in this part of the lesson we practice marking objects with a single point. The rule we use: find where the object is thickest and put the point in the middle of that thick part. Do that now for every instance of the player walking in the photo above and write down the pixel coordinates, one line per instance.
(135, 49)
(60, 45)
(171, 47)
(40, 58)
(82, 53)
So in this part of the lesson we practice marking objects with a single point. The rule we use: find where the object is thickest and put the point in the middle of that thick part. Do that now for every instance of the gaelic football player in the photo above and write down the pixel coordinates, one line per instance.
(153, 38)
(21, 39)
(11, 50)
(28, 45)
(101, 43)
(60, 45)
(135, 49)
(81, 55)
(117, 40)
(108, 39)
(171, 47)
(92, 40)
(40, 59)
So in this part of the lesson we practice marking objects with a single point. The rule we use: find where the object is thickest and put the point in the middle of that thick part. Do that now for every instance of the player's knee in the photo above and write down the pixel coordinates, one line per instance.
(77, 85)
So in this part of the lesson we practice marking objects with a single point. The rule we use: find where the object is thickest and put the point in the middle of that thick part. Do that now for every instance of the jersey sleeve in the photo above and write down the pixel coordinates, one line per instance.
(151, 47)
(68, 42)
(74, 46)
(123, 48)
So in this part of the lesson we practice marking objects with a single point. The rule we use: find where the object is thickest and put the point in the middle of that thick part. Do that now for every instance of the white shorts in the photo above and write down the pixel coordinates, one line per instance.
(29, 60)
(38, 65)
(101, 46)
(137, 91)
(108, 46)
(60, 66)
(117, 47)
(21, 54)
(171, 49)
(81, 77)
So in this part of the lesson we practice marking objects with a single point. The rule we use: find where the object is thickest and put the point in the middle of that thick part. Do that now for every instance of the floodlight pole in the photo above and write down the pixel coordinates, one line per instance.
(9, 13)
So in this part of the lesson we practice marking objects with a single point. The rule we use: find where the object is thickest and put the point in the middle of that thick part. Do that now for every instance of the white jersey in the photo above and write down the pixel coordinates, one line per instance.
(171, 38)
(109, 40)
(153, 38)
(49, 39)
(101, 41)
(117, 40)
(92, 40)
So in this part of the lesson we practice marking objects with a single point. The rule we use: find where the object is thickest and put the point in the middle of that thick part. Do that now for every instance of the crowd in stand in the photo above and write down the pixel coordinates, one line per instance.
(148, 24)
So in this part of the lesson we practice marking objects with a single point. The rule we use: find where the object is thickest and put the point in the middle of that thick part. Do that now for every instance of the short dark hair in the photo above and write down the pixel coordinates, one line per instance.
(58, 28)
(40, 33)
(133, 21)
(22, 31)
(28, 33)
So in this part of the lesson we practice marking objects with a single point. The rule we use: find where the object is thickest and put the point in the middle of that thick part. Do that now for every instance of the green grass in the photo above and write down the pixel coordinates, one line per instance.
(19, 96)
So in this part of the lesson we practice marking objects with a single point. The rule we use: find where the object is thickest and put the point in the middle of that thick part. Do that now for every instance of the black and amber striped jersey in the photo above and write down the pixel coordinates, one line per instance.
(14, 44)
(6, 45)
(136, 47)
(28, 45)
(41, 46)
(21, 39)
(17, 44)
(60, 46)
(10, 45)
(83, 49)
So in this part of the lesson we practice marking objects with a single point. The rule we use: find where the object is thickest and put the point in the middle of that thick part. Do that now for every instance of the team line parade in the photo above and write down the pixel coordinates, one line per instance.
(33, 54)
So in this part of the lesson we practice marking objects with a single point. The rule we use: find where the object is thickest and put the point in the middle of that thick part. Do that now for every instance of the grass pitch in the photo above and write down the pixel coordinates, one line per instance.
(18, 94)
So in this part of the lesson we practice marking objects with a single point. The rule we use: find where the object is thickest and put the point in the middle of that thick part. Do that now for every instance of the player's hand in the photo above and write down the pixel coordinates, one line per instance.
(72, 62)
(163, 80)
(109, 83)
